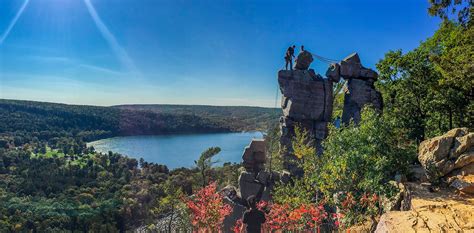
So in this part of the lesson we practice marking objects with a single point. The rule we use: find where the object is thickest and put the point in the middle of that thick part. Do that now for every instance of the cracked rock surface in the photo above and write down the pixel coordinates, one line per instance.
(442, 211)
(451, 154)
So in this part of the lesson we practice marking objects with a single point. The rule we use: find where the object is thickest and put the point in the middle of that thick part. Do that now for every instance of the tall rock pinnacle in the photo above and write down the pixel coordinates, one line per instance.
(307, 101)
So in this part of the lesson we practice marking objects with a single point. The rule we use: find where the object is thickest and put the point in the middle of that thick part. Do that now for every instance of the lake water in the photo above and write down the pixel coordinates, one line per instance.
(178, 150)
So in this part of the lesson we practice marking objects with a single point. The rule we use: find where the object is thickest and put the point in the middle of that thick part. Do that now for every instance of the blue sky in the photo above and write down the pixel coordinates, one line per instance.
(106, 52)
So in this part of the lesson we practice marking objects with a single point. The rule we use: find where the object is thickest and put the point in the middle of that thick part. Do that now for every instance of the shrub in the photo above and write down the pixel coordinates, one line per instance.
(361, 158)
(357, 162)
(207, 209)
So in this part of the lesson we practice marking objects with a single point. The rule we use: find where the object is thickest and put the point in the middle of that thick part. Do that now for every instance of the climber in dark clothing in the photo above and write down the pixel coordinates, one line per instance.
(290, 54)
(253, 218)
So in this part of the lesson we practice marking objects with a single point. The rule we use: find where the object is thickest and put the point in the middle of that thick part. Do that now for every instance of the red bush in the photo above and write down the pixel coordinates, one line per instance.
(207, 209)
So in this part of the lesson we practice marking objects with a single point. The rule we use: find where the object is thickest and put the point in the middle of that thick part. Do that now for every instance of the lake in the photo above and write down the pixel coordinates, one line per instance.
(178, 150)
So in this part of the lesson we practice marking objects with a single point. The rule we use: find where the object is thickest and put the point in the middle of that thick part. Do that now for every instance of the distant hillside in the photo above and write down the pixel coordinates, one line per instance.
(239, 118)
(50, 119)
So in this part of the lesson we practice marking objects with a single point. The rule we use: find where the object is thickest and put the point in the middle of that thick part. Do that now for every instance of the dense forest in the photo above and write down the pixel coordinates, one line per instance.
(239, 117)
(50, 181)
(49, 120)
(83, 191)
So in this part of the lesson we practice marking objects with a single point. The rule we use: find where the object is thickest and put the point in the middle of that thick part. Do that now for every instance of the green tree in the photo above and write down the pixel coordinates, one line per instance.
(169, 205)
(274, 157)
(446, 8)
(429, 90)
(204, 163)
(360, 158)
(302, 189)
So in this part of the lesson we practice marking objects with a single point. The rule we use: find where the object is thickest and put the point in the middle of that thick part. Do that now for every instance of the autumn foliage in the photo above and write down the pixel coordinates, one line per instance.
(207, 209)
(304, 217)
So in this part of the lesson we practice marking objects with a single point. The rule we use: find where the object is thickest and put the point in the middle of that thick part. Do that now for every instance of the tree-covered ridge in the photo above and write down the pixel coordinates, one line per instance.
(92, 122)
(244, 117)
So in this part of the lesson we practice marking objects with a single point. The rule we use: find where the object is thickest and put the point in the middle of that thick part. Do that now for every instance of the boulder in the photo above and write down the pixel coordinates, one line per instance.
(446, 154)
(303, 61)
(334, 72)
(464, 184)
(462, 144)
(350, 66)
(368, 74)
(250, 184)
(306, 96)
(254, 156)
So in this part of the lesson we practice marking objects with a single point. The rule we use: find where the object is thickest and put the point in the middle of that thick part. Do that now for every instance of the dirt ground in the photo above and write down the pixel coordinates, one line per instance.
(443, 210)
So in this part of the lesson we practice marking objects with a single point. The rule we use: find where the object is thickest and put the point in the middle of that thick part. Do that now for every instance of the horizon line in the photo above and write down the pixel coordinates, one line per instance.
(136, 104)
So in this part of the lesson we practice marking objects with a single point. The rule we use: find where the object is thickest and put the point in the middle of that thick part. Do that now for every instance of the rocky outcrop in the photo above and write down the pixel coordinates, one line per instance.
(440, 211)
(359, 93)
(254, 156)
(449, 156)
(254, 181)
(400, 201)
(359, 90)
(307, 102)
(307, 99)
(447, 160)
(303, 61)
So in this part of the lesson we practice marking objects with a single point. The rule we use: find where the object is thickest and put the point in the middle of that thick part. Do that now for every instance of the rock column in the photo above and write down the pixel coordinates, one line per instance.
(307, 103)
(359, 89)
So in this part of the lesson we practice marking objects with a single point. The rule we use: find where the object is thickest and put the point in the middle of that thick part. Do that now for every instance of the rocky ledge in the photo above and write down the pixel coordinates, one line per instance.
(446, 202)
(440, 211)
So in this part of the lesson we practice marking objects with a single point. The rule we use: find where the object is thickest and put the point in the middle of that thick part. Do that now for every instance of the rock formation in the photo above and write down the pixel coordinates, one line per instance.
(308, 99)
(450, 156)
(254, 178)
(359, 90)
(307, 102)
(252, 181)
(431, 212)
(254, 156)
(447, 160)
(303, 61)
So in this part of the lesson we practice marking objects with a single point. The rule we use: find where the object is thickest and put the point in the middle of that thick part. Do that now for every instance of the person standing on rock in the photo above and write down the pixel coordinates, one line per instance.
(290, 54)
(253, 218)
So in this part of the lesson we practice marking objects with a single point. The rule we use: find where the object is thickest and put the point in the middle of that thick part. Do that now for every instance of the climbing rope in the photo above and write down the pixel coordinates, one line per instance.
(324, 59)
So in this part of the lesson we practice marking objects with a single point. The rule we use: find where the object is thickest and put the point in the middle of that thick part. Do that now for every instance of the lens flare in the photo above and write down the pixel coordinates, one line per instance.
(13, 22)
(120, 52)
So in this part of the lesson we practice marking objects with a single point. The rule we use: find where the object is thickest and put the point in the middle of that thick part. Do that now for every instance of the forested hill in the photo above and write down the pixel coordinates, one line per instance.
(236, 117)
(92, 122)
